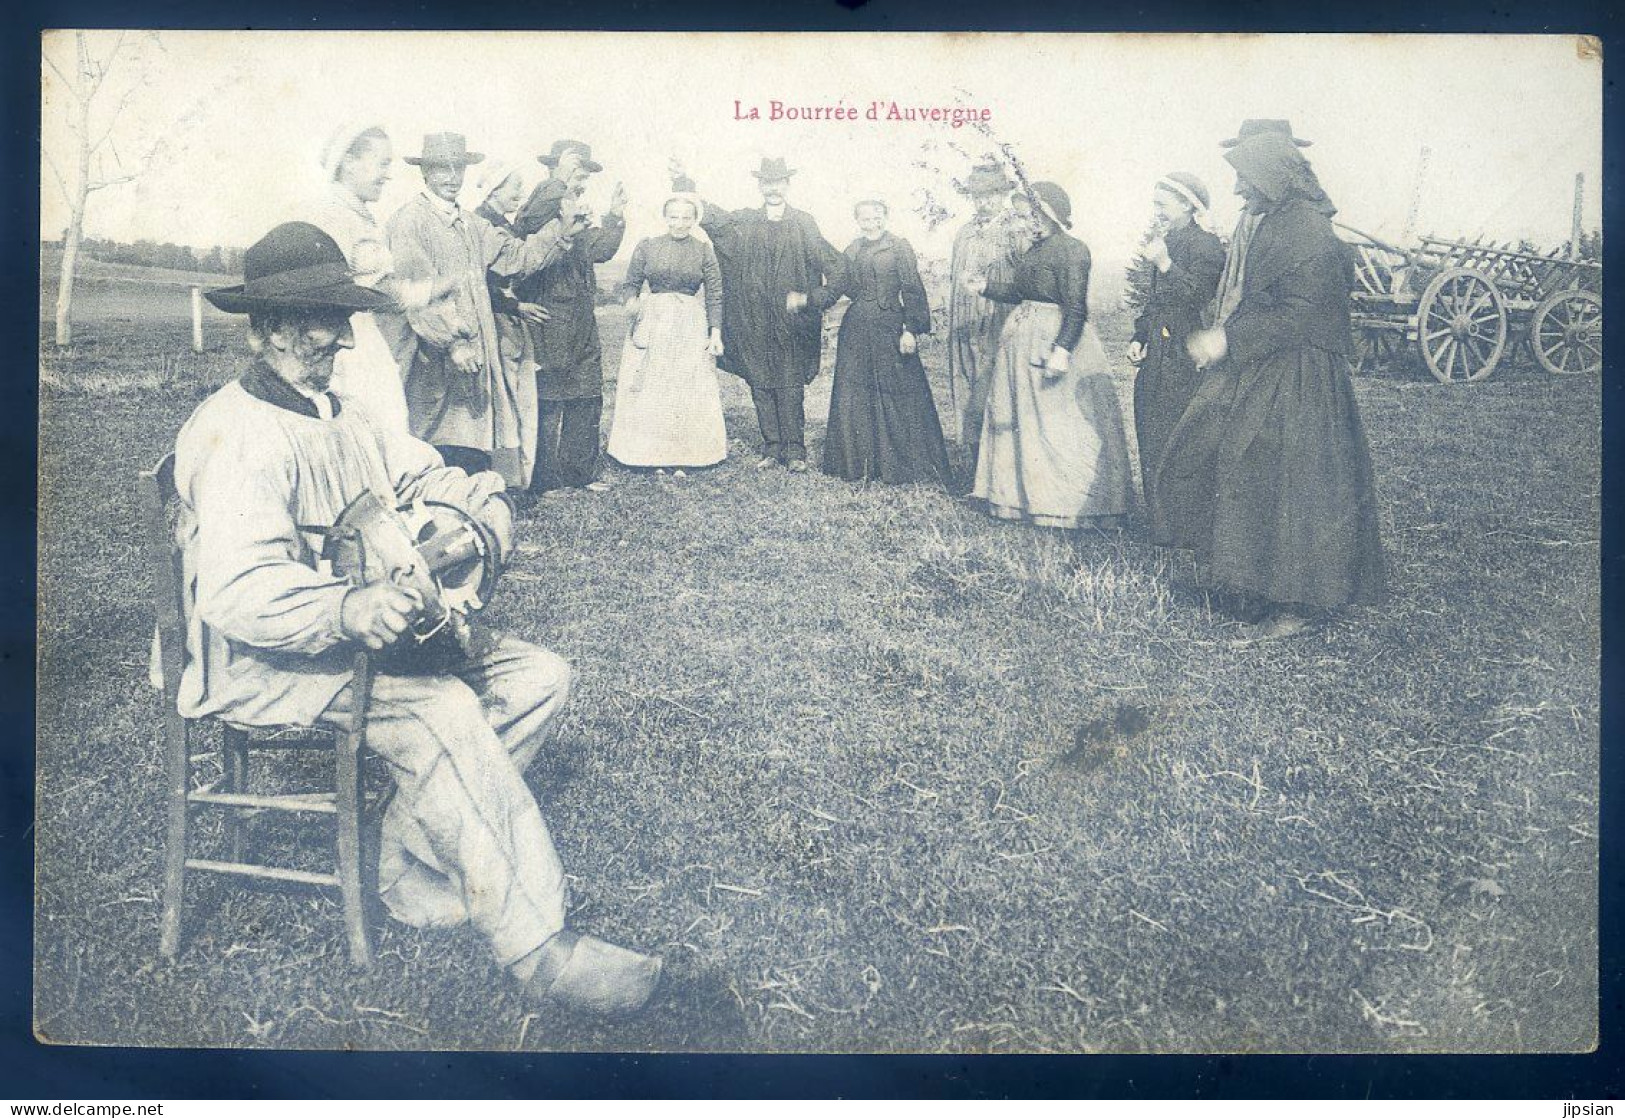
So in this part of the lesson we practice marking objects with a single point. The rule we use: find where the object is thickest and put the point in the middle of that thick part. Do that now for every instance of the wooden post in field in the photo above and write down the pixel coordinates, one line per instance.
(1574, 232)
(197, 319)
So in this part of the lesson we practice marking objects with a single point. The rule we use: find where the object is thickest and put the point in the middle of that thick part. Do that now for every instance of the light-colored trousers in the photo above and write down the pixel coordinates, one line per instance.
(463, 839)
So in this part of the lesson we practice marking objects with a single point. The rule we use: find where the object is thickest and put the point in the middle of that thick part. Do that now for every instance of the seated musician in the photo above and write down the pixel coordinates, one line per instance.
(262, 465)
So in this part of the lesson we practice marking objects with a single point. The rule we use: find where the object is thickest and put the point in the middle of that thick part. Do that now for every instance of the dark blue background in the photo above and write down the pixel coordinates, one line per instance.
(29, 1071)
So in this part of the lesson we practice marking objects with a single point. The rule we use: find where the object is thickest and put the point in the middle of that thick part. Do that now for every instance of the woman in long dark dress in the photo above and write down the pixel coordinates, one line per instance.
(883, 423)
(1185, 264)
(1268, 476)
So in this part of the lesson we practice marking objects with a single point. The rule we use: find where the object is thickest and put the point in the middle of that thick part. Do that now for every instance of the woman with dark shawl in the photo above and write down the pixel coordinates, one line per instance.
(883, 424)
(1054, 450)
(1268, 476)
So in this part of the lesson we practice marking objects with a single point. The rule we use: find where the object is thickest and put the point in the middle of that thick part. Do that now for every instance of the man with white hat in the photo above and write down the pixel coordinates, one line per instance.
(451, 360)
(260, 467)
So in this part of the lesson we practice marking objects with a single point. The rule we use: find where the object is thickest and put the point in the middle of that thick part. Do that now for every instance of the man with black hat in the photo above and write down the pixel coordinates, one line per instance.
(985, 246)
(457, 395)
(569, 355)
(776, 269)
(260, 467)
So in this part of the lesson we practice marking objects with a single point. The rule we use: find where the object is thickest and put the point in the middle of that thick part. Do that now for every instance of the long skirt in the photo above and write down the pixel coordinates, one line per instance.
(368, 377)
(883, 423)
(1054, 451)
(1162, 391)
(1268, 479)
(518, 385)
(668, 407)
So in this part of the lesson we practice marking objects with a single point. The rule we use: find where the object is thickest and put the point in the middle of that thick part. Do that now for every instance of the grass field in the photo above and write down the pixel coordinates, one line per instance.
(825, 756)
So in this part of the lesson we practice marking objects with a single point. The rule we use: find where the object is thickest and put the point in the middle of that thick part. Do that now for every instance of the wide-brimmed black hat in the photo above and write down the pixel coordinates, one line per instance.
(296, 266)
(551, 159)
(774, 168)
(988, 178)
(445, 149)
(1254, 127)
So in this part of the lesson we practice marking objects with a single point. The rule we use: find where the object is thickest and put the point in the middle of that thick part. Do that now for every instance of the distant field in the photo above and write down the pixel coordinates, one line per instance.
(825, 756)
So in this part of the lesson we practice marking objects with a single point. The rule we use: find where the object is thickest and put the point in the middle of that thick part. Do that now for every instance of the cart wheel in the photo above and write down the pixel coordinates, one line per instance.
(1374, 351)
(1566, 333)
(1461, 326)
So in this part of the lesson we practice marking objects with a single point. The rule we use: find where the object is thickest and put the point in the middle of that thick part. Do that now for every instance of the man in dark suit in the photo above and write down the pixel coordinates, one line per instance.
(776, 268)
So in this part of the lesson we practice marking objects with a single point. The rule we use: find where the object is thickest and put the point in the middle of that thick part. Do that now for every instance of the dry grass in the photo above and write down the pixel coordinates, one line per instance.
(878, 774)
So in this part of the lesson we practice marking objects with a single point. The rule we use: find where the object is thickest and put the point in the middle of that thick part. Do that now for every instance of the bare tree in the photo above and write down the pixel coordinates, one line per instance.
(92, 110)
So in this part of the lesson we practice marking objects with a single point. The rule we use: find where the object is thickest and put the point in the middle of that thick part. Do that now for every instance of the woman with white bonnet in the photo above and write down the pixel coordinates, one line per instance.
(356, 162)
(1054, 449)
(497, 192)
(1184, 262)
(668, 408)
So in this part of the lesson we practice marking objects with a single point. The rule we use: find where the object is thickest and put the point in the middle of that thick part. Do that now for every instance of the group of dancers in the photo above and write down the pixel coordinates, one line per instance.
(1250, 445)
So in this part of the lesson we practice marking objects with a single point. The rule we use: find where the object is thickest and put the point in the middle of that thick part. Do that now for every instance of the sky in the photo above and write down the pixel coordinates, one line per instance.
(1507, 122)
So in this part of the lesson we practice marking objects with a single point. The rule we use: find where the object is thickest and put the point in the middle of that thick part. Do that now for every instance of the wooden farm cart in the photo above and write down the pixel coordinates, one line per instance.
(1463, 306)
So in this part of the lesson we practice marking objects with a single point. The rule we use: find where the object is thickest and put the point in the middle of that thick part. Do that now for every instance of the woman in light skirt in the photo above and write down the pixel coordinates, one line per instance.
(1054, 449)
(668, 407)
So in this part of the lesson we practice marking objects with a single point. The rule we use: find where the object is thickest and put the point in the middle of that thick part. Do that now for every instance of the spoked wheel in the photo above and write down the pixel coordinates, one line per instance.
(1566, 333)
(1461, 326)
(1375, 350)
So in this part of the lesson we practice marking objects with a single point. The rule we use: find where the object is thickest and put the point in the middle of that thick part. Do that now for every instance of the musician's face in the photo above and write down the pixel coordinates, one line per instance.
(310, 345)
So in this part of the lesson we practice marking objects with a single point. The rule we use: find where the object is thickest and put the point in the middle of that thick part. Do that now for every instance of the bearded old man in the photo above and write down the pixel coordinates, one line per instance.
(260, 467)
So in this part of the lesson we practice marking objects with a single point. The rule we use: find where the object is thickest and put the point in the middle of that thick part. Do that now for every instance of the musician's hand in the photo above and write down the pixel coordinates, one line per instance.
(907, 344)
(496, 515)
(377, 615)
(795, 301)
(534, 312)
(714, 345)
(1058, 361)
(1136, 352)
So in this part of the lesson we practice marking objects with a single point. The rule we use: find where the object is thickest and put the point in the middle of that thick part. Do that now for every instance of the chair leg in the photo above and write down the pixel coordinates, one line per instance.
(349, 796)
(177, 741)
(234, 760)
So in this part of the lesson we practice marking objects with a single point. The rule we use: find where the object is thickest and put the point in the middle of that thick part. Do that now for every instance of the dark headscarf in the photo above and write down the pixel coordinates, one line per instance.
(1278, 170)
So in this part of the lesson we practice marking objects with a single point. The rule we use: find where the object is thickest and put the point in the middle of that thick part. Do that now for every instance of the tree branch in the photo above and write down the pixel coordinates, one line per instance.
(105, 66)
(102, 184)
(112, 119)
(60, 181)
(63, 78)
